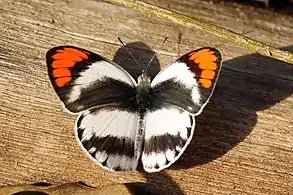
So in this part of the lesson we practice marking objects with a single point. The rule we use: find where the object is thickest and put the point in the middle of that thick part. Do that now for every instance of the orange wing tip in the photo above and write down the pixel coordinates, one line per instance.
(64, 59)
(207, 74)
(62, 64)
(205, 83)
(203, 52)
(207, 65)
(61, 82)
(65, 55)
(61, 72)
(205, 58)
(82, 54)
(70, 54)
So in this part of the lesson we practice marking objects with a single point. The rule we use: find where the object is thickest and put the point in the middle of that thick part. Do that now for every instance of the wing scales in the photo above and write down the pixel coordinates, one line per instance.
(189, 81)
(108, 135)
(168, 132)
(82, 78)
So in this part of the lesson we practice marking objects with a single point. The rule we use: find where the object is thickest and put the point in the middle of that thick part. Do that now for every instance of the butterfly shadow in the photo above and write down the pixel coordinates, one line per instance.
(247, 85)
(142, 54)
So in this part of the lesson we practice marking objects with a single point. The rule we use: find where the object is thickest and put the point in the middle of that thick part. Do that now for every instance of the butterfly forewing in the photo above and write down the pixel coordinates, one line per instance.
(82, 78)
(108, 135)
(189, 81)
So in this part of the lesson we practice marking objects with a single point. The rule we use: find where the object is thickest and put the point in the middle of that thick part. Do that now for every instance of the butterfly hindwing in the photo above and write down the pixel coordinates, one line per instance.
(82, 78)
(108, 135)
(179, 93)
(167, 134)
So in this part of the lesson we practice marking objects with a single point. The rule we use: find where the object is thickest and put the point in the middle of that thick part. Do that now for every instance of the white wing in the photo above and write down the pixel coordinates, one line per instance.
(107, 135)
(167, 134)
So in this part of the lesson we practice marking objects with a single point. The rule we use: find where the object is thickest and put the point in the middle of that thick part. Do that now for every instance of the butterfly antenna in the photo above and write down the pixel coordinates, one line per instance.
(154, 55)
(125, 47)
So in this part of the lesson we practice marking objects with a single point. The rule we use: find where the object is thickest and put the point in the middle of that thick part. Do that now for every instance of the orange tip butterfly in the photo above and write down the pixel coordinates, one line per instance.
(121, 120)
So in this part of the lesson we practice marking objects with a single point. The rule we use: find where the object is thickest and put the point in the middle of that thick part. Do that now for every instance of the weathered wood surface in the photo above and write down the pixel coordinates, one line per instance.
(244, 139)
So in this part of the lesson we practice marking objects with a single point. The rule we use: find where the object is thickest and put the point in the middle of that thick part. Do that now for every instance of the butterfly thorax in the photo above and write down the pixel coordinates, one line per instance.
(143, 92)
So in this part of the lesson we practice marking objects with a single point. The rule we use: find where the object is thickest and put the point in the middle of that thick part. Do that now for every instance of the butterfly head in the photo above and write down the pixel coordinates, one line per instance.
(144, 79)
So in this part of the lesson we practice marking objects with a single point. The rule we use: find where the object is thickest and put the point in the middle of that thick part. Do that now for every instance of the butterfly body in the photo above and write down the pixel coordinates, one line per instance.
(122, 120)
(143, 90)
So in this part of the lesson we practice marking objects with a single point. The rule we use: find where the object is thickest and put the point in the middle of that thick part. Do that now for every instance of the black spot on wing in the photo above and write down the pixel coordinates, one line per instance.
(104, 162)
(162, 143)
(170, 93)
(188, 131)
(79, 120)
(118, 169)
(79, 129)
(79, 133)
(110, 145)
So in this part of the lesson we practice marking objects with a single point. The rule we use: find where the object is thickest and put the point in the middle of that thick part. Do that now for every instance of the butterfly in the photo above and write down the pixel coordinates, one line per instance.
(122, 120)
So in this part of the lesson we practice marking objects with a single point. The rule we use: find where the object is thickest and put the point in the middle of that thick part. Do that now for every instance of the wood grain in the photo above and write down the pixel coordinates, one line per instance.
(208, 27)
(243, 143)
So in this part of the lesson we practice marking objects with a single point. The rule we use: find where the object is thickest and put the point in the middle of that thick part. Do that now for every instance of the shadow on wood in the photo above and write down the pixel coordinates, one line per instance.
(142, 53)
(247, 85)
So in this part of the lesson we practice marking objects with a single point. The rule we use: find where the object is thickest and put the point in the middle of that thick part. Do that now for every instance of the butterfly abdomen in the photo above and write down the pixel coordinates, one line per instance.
(139, 136)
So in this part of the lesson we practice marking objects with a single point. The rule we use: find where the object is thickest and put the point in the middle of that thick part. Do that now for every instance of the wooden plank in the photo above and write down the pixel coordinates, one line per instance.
(243, 142)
